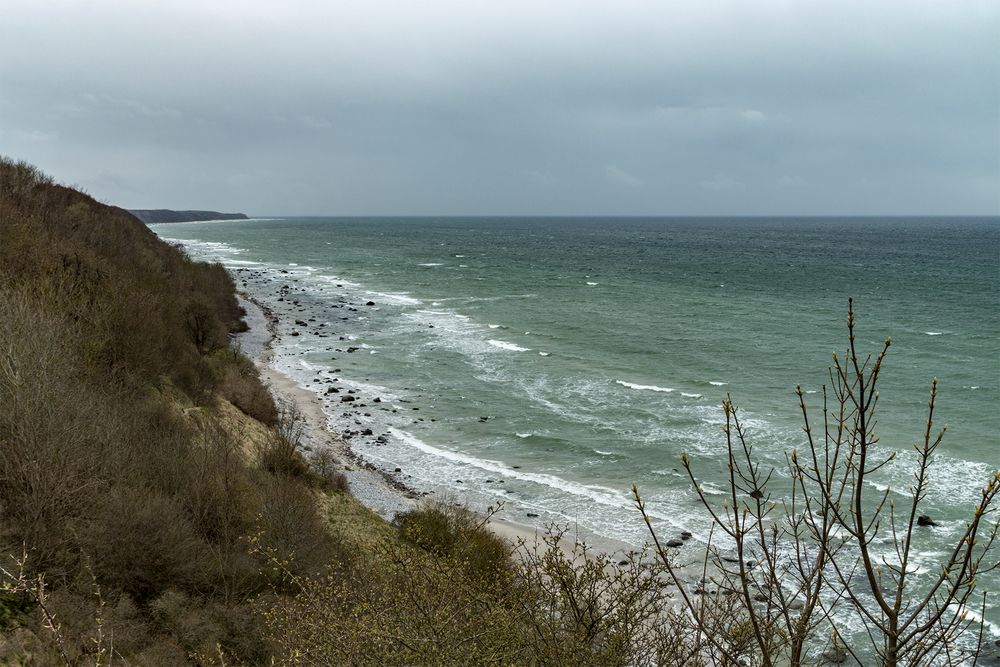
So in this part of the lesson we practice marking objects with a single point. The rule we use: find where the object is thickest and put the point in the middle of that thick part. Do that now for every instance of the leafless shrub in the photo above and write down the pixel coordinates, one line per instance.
(806, 559)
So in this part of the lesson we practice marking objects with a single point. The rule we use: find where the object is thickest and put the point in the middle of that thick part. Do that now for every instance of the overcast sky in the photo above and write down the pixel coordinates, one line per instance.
(464, 107)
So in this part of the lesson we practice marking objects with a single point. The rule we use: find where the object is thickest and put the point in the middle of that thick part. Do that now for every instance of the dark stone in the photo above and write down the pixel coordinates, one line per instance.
(924, 520)
(398, 470)
(376, 400)
(989, 655)
(332, 390)
(673, 544)
(367, 431)
(484, 419)
(370, 303)
(834, 656)
(294, 333)
(353, 349)
(347, 399)
(532, 515)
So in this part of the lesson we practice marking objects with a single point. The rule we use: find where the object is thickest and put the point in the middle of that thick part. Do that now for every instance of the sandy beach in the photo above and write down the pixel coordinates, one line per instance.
(375, 489)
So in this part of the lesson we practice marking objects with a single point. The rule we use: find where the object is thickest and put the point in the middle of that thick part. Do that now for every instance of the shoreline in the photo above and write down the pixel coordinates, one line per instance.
(374, 488)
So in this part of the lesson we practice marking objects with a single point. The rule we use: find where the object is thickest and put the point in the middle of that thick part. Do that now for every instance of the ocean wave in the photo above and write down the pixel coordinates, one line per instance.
(431, 264)
(603, 453)
(398, 297)
(934, 333)
(602, 495)
(687, 395)
(718, 384)
(543, 354)
(647, 387)
(444, 313)
(591, 284)
(504, 345)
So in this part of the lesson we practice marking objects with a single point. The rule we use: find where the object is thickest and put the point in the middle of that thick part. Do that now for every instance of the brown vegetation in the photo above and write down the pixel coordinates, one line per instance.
(117, 473)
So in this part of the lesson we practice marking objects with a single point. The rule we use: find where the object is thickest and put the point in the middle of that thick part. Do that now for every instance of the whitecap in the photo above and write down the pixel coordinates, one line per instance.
(494, 326)
(431, 264)
(543, 354)
(718, 384)
(690, 395)
(600, 494)
(524, 435)
(934, 333)
(603, 453)
(398, 297)
(649, 387)
(591, 284)
(504, 345)
(459, 255)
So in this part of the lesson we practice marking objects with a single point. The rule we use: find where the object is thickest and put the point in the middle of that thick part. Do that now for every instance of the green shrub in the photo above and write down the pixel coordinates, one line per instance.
(454, 532)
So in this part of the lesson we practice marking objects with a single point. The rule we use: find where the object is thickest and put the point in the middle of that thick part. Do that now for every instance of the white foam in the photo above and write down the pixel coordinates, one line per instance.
(603, 453)
(591, 284)
(934, 333)
(398, 297)
(459, 255)
(504, 345)
(599, 494)
(711, 489)
(647, 387)
(431, 264)
(524, 435)
(493, 326)
(444, 313)
(334, 280)
(690, 395)
(543, 354)
(718, 384)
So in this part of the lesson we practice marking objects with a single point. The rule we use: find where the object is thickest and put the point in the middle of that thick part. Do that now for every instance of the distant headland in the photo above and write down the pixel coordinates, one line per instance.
(158, 215)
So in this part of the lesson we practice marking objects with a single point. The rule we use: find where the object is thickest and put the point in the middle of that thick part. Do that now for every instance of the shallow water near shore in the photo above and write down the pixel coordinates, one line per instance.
(551, 363)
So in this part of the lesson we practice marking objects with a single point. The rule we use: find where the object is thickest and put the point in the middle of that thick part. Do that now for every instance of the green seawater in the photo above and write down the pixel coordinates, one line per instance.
(600, 349)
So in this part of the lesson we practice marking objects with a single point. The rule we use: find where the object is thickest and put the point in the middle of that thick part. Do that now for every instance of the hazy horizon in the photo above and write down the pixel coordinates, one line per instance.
(715, 108)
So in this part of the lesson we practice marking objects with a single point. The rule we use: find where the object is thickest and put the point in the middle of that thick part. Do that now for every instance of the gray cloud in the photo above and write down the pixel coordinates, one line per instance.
(632, 107)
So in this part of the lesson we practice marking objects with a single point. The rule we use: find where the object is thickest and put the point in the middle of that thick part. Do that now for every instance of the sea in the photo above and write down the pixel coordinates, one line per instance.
(545, 365)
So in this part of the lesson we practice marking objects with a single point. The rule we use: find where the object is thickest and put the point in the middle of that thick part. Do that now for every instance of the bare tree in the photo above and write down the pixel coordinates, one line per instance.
(803, 562)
